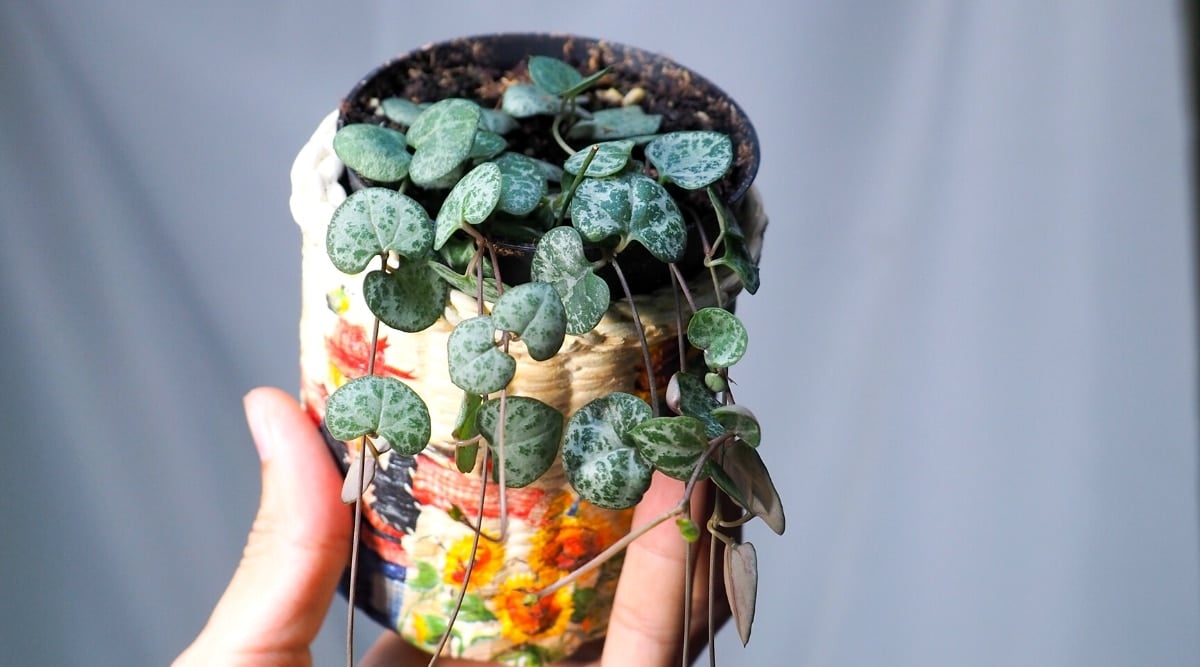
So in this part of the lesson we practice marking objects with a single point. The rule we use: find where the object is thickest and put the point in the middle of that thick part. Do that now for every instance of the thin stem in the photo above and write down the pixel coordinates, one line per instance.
(362, 471)
(616, 548)
(688, 570)
(462, 592)
(587, 162)
(712, 575)
(500, 459)
(712, 270)
(637, 324)
(558, 138)
(687, 293)
(680, 329)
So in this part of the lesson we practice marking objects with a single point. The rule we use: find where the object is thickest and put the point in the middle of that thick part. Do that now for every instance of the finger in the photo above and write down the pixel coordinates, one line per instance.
(646, 625)
(297, 547)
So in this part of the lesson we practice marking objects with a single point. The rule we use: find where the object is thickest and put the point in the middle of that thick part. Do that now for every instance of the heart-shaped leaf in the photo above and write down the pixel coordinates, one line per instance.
(686, 394)
(534, 312)
(522, 100)
(522, 184)
(409, 298)
(673, 444)
(401, 111)
(611, 158)
(494, 120)
(476, 364)
(559, 261)
(442, 136)
(742, 475)
(532, 431)
(372, 221)
(602, 465)
(376, 153)
(553, 75)
(720, 334)
(381, 406)
(692, 159)
(486, 145)
(601, 208)
(741, 586)
(619, 123)
(471, 201)
(655, 219)
(739, 421)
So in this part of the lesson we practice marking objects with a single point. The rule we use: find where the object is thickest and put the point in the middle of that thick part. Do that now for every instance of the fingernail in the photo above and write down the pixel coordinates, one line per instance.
(260, 431)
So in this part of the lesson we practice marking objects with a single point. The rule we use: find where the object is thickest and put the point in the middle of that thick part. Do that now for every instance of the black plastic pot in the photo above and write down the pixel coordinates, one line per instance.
(480, 67)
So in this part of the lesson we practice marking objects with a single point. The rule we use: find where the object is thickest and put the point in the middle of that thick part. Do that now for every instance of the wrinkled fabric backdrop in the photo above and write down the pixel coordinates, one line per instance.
(973, 353)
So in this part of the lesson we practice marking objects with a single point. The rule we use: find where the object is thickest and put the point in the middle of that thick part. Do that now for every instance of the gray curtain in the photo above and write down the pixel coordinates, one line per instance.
(973, 354)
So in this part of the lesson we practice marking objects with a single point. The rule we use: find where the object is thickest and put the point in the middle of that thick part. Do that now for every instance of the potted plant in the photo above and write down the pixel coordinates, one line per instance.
(521, 254)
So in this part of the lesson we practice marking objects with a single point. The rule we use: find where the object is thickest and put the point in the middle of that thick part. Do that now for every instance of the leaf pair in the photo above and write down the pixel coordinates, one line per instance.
(532, 312)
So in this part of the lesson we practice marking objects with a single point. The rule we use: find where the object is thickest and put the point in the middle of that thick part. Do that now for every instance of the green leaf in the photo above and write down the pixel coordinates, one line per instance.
(720, 334)
(465, 284)
(465, 457)
(522, 100)
(581, 601)
(620, 123)
(601, 208)
(426, 577)
(630, 206)
(494, 120)
(380, 406)
(473, 610)
(372, 221)
(736, 255)
(602, 465)
(741, 586)
(584, 83)
(409, 298)
(553, 75)
(673, 444)
(611, 158)
(486, 145)
(532, 431)
(401, 111)
(534, 312)
(559, 260)
(687, 395)
(739, 421)
(656, 221)
(442, 136)
(476, 364)
(522, 184)
(436, 627)
(693, 159)
(471, 201)
(464, 426)
(742, 475)
(376, 153)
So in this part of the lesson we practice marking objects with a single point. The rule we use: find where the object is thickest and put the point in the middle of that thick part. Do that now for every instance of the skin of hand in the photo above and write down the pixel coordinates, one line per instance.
(299, 546)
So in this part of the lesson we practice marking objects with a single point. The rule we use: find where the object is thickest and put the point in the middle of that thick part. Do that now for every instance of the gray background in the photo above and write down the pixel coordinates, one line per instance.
(973, 354)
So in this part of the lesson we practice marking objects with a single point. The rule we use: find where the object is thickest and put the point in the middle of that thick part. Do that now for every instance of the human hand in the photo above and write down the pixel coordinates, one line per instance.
(299, 546)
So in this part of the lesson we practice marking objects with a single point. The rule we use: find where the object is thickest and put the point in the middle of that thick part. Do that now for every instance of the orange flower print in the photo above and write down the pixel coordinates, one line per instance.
(523, 621)
(568, 543)
(489, 557)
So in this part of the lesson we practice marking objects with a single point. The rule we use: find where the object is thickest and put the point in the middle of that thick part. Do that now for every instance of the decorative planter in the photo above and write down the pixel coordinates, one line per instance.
(413, 549)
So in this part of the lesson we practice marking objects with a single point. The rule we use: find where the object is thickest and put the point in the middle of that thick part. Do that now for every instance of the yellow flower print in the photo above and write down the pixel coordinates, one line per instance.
(489, 557)
(523, 622)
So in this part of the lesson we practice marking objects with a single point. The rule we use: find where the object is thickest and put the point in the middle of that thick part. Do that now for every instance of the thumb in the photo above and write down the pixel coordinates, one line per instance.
(296, 552)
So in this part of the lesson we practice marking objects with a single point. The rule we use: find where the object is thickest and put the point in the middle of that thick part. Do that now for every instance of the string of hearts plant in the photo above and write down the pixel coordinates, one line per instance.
(625, 187)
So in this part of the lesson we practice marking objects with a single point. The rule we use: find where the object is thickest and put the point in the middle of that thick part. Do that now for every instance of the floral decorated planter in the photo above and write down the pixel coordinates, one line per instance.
(415, 543)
